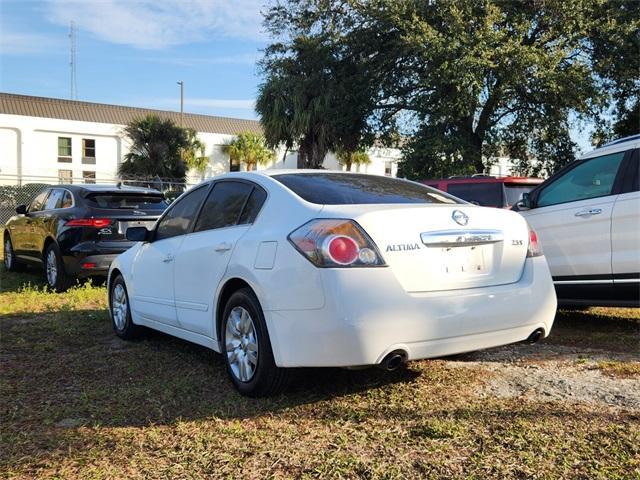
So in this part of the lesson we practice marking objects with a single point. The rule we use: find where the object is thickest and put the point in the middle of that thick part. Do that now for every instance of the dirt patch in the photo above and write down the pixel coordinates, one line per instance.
(564, 382)
(548, 372)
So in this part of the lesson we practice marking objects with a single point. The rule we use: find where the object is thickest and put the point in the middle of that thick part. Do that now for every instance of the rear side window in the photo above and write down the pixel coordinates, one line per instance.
(224, 205)
(54, 199)
(589, 179)
(253, 206)
(178, 219)
(485, 194)
(131, 201)
(355, 189)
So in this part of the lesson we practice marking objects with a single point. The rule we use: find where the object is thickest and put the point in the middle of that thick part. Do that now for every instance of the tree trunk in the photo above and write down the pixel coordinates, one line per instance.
(348, 164)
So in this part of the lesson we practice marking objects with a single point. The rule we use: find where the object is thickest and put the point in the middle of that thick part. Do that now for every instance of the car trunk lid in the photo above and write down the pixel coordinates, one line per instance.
(444, 247)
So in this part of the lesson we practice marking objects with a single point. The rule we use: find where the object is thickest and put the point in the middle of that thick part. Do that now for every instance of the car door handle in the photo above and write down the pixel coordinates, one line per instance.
(168, 258)
(588, 213)
(222, 247)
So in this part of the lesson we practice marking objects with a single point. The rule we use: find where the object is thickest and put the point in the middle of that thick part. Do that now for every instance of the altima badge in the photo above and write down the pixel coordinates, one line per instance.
(460, 218)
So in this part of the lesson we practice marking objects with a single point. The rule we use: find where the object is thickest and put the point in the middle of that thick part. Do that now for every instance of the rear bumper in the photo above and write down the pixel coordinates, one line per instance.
(89, 259)
(368, 315)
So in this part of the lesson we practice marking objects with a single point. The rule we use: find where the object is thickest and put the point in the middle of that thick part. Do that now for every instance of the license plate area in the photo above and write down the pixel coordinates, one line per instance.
(463, 261)
(123, 226)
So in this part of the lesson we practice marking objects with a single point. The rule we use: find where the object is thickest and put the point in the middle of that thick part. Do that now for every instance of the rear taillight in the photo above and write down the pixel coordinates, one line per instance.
(336, 243)
(89, 222)
(535, 249)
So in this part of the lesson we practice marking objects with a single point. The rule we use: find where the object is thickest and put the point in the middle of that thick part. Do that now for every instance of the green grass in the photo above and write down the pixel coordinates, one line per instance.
(77, 402)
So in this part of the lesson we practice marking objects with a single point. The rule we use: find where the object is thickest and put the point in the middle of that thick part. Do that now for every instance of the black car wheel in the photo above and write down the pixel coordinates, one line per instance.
(247, 349)
(55, 274)
(121, 311)
(11, 263)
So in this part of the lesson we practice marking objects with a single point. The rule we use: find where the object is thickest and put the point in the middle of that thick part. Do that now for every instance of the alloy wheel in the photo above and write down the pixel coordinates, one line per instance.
(52, 268)
(8, 254)
(119, 306)
(241, 344)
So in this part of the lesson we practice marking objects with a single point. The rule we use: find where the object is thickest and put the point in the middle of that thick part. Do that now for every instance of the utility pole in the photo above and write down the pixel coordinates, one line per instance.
(181, 83)
(73, 84)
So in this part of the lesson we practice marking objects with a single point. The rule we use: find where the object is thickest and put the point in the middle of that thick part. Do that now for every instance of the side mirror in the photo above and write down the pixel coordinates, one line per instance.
(138, 234)
(525, 202)
(21, 209)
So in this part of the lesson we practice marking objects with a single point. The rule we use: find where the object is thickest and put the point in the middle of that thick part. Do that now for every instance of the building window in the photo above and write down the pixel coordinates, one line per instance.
(388, 169)
(89, 151)
(64, 149)
(234, 165)
(65, 176)
(89, 177)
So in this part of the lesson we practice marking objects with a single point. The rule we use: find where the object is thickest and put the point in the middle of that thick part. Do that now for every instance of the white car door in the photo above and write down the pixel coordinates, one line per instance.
(151, 291)
(227, 213)
(625, 229)
(572, 217)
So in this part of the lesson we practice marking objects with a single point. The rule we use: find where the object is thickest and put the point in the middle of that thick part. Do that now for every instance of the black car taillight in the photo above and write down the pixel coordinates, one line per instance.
(335, 243)
(89, 222)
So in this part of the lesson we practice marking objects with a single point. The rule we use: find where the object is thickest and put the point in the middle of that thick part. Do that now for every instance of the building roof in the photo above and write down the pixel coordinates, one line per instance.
(26, 105)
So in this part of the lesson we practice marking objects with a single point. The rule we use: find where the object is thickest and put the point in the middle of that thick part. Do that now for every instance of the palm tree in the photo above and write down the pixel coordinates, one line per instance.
(156, 149)
(190, 156)
(359, 157)
(250, 149)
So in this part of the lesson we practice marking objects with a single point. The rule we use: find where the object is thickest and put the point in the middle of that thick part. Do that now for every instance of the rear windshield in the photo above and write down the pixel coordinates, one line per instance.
(485, 194)
(127, 201)
(356, 189)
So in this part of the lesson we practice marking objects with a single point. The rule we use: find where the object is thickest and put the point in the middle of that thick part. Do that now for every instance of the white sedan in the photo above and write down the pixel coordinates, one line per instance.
(282, 269)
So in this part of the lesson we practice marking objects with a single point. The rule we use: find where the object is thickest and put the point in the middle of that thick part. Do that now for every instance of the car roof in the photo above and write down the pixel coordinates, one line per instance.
(105, 188)
(615, 146)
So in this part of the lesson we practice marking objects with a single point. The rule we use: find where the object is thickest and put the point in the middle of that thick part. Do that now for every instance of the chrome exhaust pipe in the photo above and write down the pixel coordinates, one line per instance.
(393, 361)
(537, 335)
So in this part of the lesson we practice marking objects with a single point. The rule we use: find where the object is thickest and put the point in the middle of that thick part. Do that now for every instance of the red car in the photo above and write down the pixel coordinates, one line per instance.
(485, 190)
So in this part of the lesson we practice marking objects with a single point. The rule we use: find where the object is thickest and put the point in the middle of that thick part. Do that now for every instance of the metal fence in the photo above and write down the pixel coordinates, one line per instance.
(18, 190)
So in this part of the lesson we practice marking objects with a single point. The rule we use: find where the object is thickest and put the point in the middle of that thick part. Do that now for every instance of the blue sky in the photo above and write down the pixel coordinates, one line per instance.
(132, 52)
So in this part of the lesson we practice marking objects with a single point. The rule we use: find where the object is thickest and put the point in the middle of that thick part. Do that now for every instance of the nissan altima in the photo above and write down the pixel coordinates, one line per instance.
(281, 269)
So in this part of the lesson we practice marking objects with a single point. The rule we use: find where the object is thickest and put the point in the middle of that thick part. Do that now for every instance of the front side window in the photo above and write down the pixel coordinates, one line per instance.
(179, 218)
(358, 189)
(589, 179)
(39, 202)
(88, 151)
(64, 149)
(224, 205)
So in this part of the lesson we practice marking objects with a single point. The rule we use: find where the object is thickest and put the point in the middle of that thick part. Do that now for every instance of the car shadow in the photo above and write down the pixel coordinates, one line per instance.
(72, 364)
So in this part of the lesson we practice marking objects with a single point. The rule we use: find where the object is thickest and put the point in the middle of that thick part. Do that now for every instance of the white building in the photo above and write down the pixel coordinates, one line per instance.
(68, 139)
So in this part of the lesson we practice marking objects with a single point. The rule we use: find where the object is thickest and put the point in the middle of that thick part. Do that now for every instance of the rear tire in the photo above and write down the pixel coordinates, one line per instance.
(11, 263)
(54, 272)
(246, 348)
(120, 311)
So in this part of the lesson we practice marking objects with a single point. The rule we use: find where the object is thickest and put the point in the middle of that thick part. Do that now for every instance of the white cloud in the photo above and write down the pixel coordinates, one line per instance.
(149, 24)
(21, 43)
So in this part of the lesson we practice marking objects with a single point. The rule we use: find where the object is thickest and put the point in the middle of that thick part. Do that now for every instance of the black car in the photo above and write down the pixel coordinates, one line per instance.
(75, 231)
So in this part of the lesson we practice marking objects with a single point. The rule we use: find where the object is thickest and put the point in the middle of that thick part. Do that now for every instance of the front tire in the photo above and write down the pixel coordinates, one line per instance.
(54, 272)
(247, 349)
(11, 263)
(120, 311)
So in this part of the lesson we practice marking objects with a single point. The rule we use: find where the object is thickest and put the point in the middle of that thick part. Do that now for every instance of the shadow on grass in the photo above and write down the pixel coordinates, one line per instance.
(16, 281)
(69, 368)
